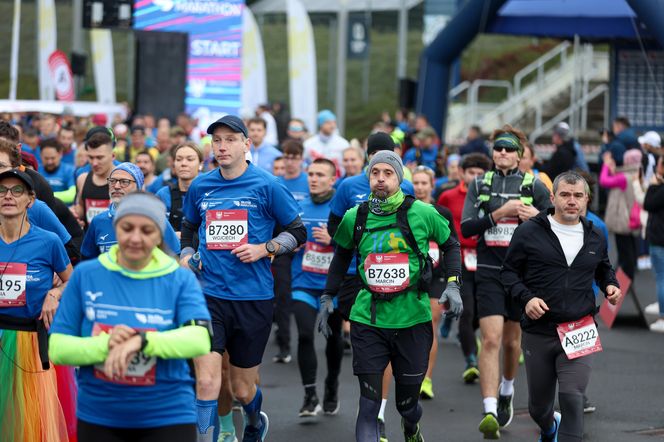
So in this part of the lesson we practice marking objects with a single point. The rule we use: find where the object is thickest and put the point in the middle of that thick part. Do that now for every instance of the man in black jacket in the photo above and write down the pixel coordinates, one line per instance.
(564, 158)
(549, 269)
(654, 204)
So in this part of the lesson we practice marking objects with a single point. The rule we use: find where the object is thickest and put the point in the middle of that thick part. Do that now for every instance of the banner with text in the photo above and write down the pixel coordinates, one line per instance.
(47, 45)
(302, 65)
(214, 68)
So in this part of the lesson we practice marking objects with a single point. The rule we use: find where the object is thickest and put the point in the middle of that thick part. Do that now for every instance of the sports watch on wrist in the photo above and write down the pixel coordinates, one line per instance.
(271, 249)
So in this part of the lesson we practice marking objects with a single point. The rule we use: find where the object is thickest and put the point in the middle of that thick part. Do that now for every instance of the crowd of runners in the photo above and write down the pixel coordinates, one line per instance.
(144, 267)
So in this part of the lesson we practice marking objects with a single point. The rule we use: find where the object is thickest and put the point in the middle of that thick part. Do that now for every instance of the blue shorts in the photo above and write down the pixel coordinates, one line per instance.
(241, 328)
(311, 298)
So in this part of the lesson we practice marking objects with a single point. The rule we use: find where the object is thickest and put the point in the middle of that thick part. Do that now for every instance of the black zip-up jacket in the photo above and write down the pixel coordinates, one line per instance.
(654, 204)
(535, 266)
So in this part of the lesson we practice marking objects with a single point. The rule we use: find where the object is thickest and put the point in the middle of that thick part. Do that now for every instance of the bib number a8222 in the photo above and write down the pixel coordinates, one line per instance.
(579, 338)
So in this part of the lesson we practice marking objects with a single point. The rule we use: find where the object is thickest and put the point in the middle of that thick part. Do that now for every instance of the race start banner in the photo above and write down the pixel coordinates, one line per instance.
(214, 67)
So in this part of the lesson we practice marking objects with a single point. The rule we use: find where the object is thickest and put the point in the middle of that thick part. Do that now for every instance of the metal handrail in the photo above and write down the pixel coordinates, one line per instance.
(538, 65)
(458, 89)
(473, 93)
(587, 98)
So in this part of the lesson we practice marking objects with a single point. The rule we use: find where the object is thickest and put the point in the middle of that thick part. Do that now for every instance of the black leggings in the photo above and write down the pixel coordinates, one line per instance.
(281, 268)
(546, 366)
(468, 321)
(305, 318)
(172, 433)
(626, 246)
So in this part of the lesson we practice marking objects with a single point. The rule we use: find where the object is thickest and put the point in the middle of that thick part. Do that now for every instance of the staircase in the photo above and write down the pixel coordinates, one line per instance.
(568, 83)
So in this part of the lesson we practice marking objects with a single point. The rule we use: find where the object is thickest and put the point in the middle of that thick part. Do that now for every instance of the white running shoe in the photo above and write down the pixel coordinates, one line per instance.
(652, 309)
(657, 326)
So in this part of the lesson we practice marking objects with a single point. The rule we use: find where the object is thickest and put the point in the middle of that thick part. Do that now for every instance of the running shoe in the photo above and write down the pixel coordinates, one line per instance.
(652, 309)
(381, 430)
(227, 437)
(588, 407)
(471, 374)
(426, 390)
(553, 437)
(283, 357)
(253, 434)
(657, 326)
(489, 426)
(331, 399)
(505, 410)
(237, 406)
(446, 326)
(415, 437)
(311, 406)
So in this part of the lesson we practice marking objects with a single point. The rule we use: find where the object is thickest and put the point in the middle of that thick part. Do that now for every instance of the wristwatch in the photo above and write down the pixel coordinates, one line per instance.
(271, 249)
(144, 340)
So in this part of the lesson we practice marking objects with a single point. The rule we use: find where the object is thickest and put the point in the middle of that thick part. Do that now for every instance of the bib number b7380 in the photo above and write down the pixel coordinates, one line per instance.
(226, 229)
(579, 338)
(387, 272)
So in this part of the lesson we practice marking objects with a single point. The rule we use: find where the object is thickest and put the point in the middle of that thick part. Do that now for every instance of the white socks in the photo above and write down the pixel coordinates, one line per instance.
(491, 405)
(507, 387)
(381, 412)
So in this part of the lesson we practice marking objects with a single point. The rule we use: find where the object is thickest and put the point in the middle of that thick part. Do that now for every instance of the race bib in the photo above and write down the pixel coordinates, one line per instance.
(579, 338)
(317, 258)
(500, 235)
(142, 369)
(12, 284)
(434, 253)
(469, 259)
(95, 207)
(387, 272)
(226, 229)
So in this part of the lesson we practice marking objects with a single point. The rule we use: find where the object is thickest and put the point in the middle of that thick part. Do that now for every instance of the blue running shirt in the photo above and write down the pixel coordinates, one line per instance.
(298, 187)
(311, 273)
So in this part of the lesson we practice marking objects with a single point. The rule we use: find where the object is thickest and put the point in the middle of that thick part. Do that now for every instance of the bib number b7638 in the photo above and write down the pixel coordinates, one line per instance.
(387, 272)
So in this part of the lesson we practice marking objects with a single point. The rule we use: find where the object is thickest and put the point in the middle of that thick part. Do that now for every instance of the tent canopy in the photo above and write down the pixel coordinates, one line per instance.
(590, 19)
(279, 6)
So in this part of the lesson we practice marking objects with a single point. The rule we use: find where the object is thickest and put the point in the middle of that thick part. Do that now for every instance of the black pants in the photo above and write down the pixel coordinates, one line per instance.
(548, 365)
(281, 269)
(626, 248)
(171, 433)
(305, 318)
(468, 320)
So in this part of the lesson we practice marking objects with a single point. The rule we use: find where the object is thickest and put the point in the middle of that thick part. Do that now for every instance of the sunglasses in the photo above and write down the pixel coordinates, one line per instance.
(505, 148)
(16, 190)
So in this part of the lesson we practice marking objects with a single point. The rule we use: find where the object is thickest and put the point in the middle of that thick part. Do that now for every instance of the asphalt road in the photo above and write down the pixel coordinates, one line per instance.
(627, 386)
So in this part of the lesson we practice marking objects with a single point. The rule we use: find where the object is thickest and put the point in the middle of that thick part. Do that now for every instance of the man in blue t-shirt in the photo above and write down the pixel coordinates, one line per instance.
(60, 176)
(235, 209)
(263, 154)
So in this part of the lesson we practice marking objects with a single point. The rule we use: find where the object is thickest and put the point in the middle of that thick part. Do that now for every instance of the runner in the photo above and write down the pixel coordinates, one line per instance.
(390, 319)
(235, 209)
(128, 319)
(187, 164)
(92, 186)
(351, 192)
(472, 166)
(549, 270)
(100, 236)
(310, 267)
(296, 182)
(495, 204)
(59, 175)
(29, 256)
(423, 182)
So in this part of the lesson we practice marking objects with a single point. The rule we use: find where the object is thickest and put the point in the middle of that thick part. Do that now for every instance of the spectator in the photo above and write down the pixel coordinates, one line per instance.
(619, 205)
(297, 130)
(474, 143)
(654, 204)
(620, 140)
(564, 158)
(651, 143)
(327, 143)
(271, 132)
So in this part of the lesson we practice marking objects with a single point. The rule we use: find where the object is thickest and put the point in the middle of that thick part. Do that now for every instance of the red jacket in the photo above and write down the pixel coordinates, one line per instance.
(453, 199)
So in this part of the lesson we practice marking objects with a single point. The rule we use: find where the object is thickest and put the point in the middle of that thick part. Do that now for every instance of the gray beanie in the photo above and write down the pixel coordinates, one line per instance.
(387, 157)
(144, 204)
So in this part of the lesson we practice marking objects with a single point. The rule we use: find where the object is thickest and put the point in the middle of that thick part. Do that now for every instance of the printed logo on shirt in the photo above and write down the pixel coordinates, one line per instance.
(360, 196)
(93, 295)
(204, 205)
(103, 237)
(152, 318)
(32, 278)
(206, 194)
(244, 204)
(90, 313)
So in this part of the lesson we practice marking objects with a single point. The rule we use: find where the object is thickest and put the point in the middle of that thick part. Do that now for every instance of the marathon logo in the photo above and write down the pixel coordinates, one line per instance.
(152, 319)
(244, 204)
(224, 9)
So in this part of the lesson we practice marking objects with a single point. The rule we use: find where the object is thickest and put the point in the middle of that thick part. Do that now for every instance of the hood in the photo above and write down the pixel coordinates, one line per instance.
(160, 264)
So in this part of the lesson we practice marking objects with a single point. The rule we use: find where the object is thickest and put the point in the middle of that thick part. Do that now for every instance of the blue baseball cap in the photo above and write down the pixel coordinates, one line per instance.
(231, 121)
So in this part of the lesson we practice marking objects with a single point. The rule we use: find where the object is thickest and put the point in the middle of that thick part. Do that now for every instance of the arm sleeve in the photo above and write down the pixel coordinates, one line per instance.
(333, 222)
(187, 234)
(451, 257)
(654, 199)
(66, 196)
(471, 223)
(74, 350)
(513, 265)
(338, 268)
(180, 343)
(294, 235)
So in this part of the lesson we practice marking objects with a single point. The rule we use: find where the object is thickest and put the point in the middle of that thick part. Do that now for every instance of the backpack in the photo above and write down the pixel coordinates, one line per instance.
(425, 261)
(175, 217)
(526, 189)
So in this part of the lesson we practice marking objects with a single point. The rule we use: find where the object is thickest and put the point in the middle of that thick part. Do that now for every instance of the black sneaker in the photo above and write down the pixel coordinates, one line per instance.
(588, 407)
(311, 406)
(505, 410)
(283, 357)
(330, 399)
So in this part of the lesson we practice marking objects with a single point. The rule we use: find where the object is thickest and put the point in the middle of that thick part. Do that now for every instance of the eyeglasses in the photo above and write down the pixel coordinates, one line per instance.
(505, 148)
(17, 190)
(123, 182)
